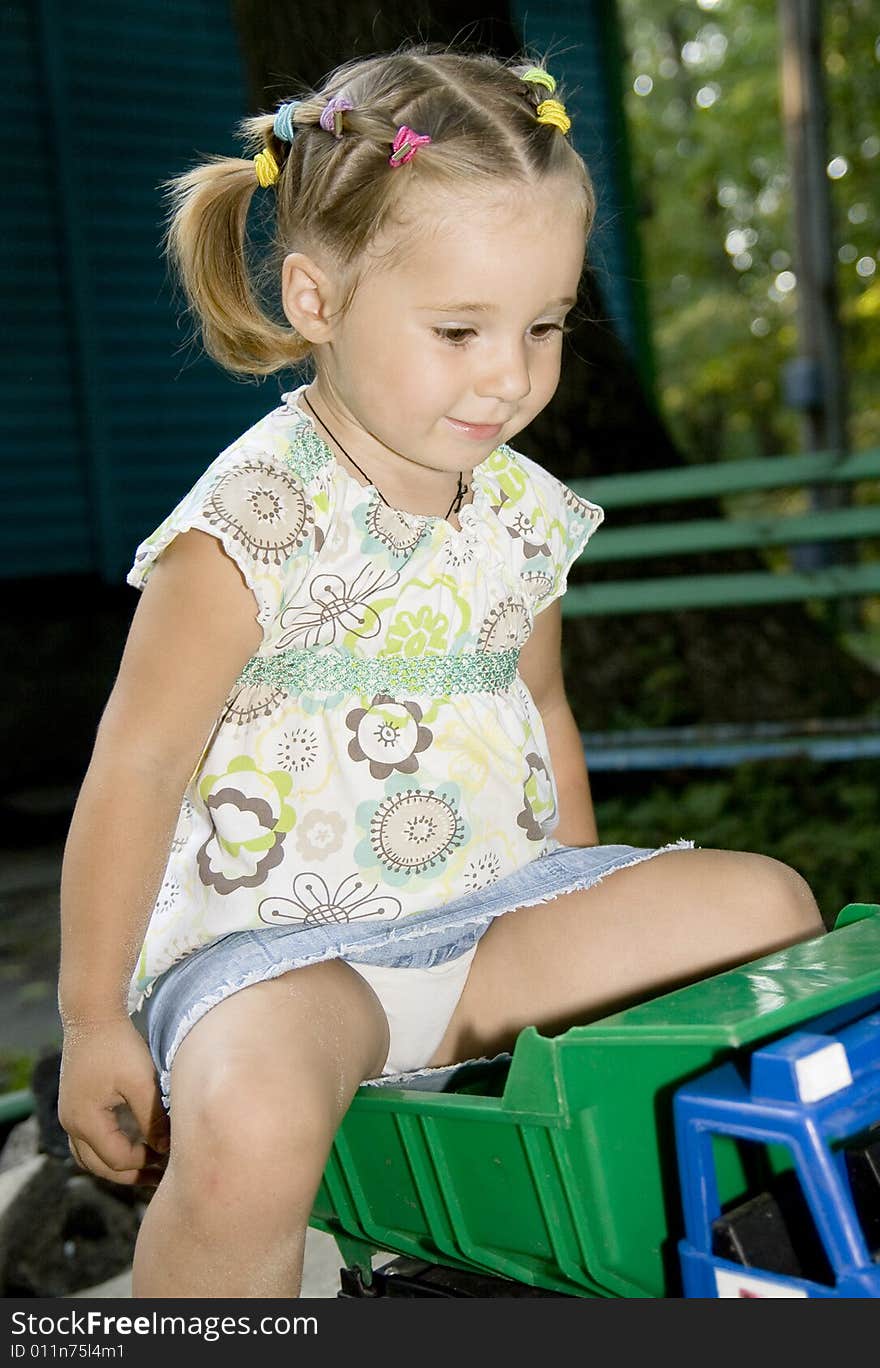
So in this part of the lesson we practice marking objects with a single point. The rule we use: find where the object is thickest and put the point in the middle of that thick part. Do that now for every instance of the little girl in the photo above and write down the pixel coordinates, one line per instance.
(337, 822)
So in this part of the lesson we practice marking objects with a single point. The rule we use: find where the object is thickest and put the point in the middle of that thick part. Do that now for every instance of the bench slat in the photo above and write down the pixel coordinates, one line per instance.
(718, 591)
(714, 747)
(605, 753)
(716, 534)
(727, 477)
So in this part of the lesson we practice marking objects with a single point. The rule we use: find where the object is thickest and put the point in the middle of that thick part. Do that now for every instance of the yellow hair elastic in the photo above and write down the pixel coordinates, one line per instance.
(266, 168)
(553, 112)
(538, 76)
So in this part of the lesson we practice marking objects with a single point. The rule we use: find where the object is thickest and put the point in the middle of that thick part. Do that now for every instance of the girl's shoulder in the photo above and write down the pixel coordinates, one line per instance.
(284, 437)
(549, 522)
(264, 499)
(526, 483)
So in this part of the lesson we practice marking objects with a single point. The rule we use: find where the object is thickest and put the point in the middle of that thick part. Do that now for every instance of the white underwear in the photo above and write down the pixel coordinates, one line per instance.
(418, 1004)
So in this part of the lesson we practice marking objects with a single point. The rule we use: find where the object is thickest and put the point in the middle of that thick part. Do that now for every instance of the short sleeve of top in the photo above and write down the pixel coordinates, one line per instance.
(256, 505)
(555, 525)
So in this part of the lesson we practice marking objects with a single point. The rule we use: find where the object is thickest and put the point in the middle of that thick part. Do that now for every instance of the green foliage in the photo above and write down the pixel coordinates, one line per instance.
(716, 228)
(822, 820)
(16, 1069)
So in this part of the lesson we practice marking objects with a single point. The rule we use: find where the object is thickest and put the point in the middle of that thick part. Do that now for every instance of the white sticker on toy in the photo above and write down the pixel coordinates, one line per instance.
(730, 1284)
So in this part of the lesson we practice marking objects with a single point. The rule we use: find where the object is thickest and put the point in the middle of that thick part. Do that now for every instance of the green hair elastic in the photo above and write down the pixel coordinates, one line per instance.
(538, 76)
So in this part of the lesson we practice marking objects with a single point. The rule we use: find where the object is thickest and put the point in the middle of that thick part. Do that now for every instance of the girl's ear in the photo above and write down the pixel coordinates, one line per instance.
(307, 296)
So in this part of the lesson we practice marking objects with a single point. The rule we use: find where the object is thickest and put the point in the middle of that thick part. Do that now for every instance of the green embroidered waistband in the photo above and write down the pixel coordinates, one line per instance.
(331, 671)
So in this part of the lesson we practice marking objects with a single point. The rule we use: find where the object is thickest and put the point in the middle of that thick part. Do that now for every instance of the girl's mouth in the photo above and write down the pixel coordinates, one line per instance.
(479, 432)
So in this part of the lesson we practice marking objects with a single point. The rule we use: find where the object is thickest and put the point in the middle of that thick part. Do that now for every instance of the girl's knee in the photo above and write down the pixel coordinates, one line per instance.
(781, 897)
(241, 1129)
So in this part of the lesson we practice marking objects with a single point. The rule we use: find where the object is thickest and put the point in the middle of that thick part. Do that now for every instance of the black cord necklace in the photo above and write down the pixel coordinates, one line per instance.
(453, 507)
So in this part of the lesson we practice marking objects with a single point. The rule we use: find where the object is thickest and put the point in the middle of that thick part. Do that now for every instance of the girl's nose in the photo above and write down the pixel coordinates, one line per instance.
(506, 377)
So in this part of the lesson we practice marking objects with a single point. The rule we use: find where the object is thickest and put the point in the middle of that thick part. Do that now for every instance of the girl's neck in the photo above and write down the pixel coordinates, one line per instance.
(428, 493)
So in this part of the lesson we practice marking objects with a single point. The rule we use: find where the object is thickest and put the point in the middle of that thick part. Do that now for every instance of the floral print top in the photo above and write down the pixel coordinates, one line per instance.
(380, 755)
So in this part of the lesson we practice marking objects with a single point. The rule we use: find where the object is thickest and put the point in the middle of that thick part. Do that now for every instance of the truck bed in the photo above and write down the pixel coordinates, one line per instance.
(555, 1166)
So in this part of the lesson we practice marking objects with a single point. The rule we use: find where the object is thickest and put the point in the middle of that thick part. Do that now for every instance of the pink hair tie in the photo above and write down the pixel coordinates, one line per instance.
(406, 144)
(331, 114)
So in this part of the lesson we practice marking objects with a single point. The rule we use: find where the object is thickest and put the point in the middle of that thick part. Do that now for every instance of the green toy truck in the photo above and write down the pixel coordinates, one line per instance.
(556, 1170)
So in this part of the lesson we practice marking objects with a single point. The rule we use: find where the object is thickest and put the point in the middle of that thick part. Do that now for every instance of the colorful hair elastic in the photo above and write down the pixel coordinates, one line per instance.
(283, 128)
(266, 168)
(331, 114)
(538, 76)
(406, 144)
(553, 112)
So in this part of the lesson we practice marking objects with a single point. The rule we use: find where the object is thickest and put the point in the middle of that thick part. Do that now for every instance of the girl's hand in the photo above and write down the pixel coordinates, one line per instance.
(109, 1102)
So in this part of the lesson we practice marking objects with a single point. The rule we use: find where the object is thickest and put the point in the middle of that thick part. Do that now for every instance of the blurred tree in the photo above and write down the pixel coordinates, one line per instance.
(703, 104)
(653, 669)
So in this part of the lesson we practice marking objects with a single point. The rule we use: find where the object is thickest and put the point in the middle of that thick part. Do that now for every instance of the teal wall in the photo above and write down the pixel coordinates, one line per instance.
(104, 420)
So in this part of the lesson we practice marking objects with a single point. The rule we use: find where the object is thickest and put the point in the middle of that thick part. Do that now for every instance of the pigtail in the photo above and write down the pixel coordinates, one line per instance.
(206, 243)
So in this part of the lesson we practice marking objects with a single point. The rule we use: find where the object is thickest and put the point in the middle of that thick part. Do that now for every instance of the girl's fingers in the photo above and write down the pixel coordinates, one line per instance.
(148, 1176)
(138, 1164)
(88, 1160)
(144, 1120)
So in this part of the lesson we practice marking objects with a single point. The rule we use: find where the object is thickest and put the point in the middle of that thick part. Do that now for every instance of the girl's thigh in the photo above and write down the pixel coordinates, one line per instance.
(678, 917)
(270, 1071)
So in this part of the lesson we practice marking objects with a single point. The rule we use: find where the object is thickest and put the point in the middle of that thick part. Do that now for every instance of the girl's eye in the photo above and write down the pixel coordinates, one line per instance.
(544, 331)
(455, 337)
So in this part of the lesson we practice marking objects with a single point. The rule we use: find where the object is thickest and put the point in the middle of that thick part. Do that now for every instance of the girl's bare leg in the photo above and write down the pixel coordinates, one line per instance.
(258, 1089)
(680, 916)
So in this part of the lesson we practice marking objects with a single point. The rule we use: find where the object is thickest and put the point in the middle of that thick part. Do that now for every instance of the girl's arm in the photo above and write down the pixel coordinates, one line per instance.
(193, 631)
(540, 665)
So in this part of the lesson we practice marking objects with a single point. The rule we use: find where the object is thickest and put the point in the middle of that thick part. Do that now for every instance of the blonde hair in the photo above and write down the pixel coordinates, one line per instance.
(339, 193)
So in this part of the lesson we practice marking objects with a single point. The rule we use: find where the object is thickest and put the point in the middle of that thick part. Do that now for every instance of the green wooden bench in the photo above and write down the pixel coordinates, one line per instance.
(725, 745)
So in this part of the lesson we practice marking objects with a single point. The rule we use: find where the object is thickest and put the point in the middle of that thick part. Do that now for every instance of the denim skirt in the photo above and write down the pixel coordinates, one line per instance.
(205, 977)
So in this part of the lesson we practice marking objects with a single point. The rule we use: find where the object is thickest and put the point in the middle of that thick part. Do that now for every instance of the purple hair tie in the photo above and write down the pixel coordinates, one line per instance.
(331, 114)
(406, 143)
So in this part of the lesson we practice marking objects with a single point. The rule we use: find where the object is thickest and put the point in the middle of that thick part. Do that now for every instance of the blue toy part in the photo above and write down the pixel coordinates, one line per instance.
(800, 1121)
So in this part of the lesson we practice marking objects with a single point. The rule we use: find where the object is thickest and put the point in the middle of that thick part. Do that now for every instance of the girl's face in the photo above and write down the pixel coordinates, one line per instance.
(456, 347)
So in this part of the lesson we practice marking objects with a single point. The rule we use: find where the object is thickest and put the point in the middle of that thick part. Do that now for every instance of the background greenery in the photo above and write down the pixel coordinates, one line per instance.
(713, 186)
(823, 820)
(715, 224)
